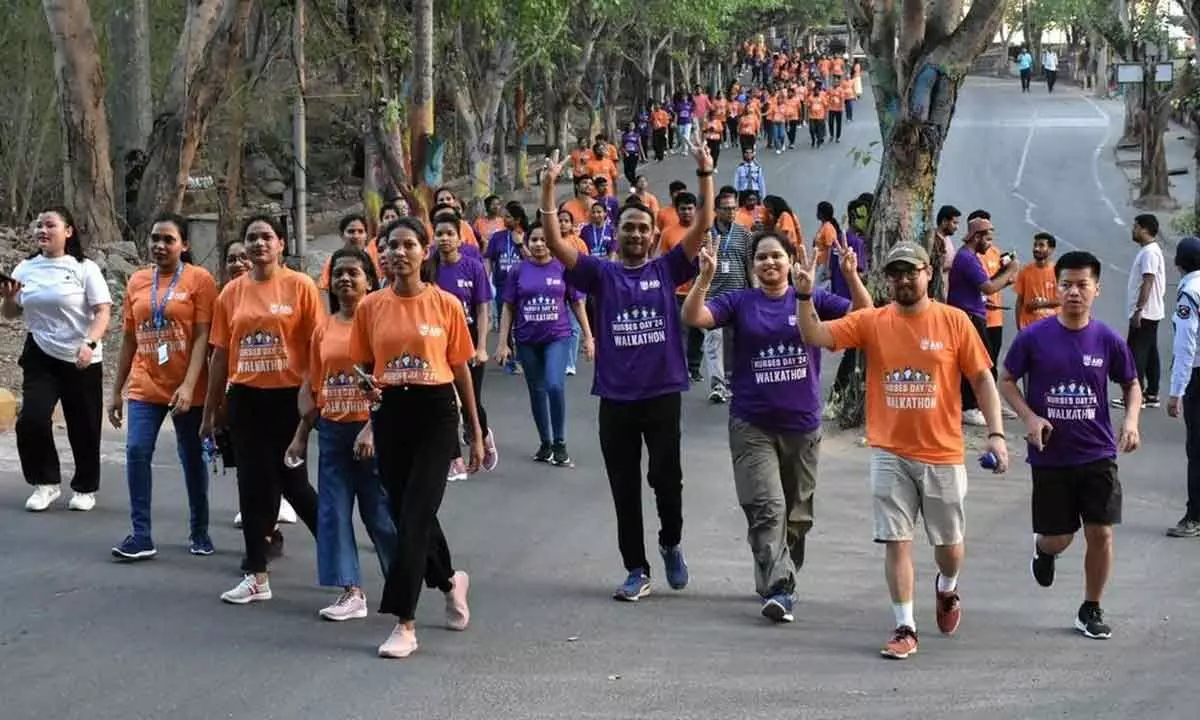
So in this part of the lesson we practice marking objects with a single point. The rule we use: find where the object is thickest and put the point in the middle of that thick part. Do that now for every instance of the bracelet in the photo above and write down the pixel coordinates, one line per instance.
(803, 296)
(704, 173)
(1000, 435)
(543, 211)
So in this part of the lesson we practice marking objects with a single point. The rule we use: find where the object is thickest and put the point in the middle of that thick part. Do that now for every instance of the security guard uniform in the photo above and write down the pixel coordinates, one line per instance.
(1185, 375)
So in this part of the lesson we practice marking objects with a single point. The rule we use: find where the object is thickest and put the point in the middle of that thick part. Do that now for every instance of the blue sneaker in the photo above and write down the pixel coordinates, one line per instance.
(134, 548)
(778, 608)
(201, 545)
(636, 587)
(677, 569)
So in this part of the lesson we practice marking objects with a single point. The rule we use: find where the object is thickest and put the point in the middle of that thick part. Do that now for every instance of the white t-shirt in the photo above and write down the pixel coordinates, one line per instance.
(1149, 260)
(1050, 62)
(57, 296)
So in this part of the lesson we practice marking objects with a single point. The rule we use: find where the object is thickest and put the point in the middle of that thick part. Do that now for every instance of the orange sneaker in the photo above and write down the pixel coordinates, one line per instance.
(902, 645)
(949, 610)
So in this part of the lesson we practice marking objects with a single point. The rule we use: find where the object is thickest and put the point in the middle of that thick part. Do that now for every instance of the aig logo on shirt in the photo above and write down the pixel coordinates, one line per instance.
(281, 309)
(934, 345)
(792, 320)
(1094, 361)
(427, 330)
(466, 284)
(651, 285)
(553, 281)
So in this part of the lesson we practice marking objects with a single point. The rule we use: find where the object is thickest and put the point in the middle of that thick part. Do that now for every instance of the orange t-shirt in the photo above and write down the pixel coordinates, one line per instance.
(748, 124)
(666, 218)
(331, 373)
(788, 225)
(266, 327)
(669, 238)
(579, 157)
(414, 340)
(777, 110)
(485, 226)
(825, 239)
(848, 89)
(1035, 283)
(649, 201)
(839, 66)
(721, 108)
(190, 303)
(823, 66)
(602, 166)
(791, 108)
(659, 119)
(748, 219)
(915, 364)
(837, 103)
(991, 265)
(579, 209)
(816, 106)
(372, 251)
(714, 129)
(579, 243)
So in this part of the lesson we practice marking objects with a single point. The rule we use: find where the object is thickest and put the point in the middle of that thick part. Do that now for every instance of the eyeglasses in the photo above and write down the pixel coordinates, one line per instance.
(903, 270)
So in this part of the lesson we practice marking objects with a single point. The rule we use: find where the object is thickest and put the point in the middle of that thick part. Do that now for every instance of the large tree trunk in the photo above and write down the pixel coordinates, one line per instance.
(1154, 191)
(614, 74)
(130, 102)
(521, 130)
(420, 118)
(477, 97)
(87, 162)
(209, 48)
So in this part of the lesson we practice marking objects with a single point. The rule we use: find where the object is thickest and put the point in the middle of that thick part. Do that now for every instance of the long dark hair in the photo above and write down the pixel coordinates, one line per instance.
(181, 225)
(825, 214)
(368, 267)
(778, 207)
(74, 245)
(517, 210)
(429, 267)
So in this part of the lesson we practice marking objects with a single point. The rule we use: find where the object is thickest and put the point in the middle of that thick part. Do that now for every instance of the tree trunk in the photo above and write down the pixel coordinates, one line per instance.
(521, 129)
(1155, 188)
(477, 99)
(503, 170)
(200, 72)
(614, 73)
(1100, 54)
(420, 118)
(130, 102)
(87, 162)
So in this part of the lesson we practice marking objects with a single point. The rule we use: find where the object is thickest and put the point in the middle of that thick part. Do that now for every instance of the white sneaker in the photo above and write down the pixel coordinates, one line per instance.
(287, 514)
(458, 470)
(348, 606)
(1008, 413)
(247, 591)
(82, 501)
(237, 521)
(41, 498)
(974, 417)
(400, 644)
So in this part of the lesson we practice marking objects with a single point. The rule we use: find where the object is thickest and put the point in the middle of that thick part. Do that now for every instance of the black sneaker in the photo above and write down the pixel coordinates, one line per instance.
(1186, 528)
(543, 454)
(1090, 622)
(559, 455)
(1152, 401)
(1042, 567)
(696, 376)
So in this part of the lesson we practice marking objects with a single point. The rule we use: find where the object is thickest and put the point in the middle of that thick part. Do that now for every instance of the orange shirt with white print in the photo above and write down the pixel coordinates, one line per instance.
(331, 373)
(839, 66)
(372, 251)
(602, 166)
(721, 108)
(1035, 283)
(190, 302)
(991, 265)
(414, 340)
(778, 110)
(578, 209)
(714, 129)
(816, 106)
(791, 108)
(266, 328)
(578, 158)
(914, 367)
(748, 124)
(667, 217)
(660, 119)
(837, 101)
(825, 239)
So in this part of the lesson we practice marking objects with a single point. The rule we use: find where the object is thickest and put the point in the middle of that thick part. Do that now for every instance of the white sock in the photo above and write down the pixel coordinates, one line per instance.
(904, 614)
(947, 583)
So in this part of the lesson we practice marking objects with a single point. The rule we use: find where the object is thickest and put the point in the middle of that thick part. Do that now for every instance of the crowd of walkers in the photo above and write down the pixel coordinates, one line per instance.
(716, 286)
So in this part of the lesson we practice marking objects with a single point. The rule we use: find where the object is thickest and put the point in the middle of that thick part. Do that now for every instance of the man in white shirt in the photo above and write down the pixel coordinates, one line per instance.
(1050, 68)
(947, 225)
(1144, 303)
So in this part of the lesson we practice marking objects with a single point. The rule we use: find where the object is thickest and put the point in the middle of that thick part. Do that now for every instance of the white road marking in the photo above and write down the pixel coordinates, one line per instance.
(1096, 161)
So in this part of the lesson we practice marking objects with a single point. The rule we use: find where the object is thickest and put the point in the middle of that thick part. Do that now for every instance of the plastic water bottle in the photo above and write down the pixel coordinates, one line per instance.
(212, 456)
(988, 460)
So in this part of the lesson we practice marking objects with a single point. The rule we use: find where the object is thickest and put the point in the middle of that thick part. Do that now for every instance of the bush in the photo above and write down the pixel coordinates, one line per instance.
(1185, 223)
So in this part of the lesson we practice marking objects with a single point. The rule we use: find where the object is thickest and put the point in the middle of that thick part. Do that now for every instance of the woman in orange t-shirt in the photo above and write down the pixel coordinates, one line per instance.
(816, 117)
(167, 313)
(779, 218)
(346, 460)
(262, 325)
(353, 228)
(836, 104)
(414, 341)
(714, 132)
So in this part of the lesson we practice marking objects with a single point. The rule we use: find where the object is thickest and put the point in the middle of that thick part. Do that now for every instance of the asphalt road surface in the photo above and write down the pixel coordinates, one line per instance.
(84, 637)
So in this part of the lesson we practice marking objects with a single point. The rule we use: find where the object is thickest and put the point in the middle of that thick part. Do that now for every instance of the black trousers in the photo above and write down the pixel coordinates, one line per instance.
(968, 393)
(417, 431)
(816, 131)
(731, 128)
(1191, 420)
(693, 341)
(623, 428)
(1051, 78)
(631, 164)
(477, 372)
(262, 422)
(748, 142)
(1025, 76)
(47, 381)
(791, 131)
(835, 125)
(994, 340)
(1143, 343)
(659, 143)
(714, 149)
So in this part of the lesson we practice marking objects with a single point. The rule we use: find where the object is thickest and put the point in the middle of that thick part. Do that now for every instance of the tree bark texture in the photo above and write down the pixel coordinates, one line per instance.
(477, 95)
(87, 176)
(130, 102)
(420, 118)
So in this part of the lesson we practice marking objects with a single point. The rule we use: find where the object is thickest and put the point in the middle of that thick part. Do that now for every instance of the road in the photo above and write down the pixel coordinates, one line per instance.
(83, 637)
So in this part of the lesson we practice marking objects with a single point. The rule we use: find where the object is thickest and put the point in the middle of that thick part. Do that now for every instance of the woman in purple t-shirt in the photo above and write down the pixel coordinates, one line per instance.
(775, 416)
(536, 300)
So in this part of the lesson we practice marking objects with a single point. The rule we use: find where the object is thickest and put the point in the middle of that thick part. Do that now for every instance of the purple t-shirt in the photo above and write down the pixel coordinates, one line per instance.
(683, 112)
(540, 298)
(776, 377)
(631, 142)
(467, 281)
(966, 275)
(1066, 381)
(504, 254)
(471, 251)
(837, 282)
(598, 240)
(638, 351)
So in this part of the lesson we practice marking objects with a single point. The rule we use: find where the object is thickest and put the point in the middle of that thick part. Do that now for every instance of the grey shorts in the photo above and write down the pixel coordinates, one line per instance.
(903, 488)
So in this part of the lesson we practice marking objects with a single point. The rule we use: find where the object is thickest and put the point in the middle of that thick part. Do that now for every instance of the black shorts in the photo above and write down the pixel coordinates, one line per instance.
(1065, 497)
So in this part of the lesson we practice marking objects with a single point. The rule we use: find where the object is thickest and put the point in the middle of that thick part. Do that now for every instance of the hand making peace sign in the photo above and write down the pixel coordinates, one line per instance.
(553, 168)
(804, 271)
(848, 259)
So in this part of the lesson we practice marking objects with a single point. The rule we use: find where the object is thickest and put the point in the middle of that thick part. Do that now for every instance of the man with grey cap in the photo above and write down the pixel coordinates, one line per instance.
(916, 351)
(1184, 398)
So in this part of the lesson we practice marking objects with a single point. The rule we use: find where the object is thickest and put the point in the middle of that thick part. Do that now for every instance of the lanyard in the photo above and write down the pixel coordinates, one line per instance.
(158, 313)
(724, 248)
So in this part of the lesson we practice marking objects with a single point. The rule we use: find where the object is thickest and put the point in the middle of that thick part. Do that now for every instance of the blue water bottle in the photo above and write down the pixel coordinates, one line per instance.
(988, 460)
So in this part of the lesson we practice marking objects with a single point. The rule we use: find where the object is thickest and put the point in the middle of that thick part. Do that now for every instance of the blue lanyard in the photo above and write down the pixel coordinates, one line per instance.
(158, 313)
(724, 249)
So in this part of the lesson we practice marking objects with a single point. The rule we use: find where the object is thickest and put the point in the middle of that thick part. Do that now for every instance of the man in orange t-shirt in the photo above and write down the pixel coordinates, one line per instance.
(693, 339)
(599, 164)
(1036, 287)
(836, 104)
(816, 118)
(916, 351)
(668, 216)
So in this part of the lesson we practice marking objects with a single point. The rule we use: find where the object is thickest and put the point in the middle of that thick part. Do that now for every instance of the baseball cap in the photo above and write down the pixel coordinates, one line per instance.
(907, 252)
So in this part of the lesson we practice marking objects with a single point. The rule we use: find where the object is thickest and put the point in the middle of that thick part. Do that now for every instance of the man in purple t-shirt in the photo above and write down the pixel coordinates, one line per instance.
(1067, 362)
(969, 288)
(640, 369)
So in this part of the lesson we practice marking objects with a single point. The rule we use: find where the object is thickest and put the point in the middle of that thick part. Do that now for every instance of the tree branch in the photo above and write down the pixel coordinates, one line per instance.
(912, 34)
(970, 37)
(943, 16)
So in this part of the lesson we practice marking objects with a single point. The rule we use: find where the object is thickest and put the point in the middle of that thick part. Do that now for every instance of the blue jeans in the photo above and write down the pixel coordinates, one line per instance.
(778, 139)
(340, 479)
(546, 376)
(573, 347)
(144, 420)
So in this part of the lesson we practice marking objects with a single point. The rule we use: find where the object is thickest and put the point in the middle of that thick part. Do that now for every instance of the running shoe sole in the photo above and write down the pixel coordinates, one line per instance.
(1081, 627)
(892, 655)
(774, 611)
(120, 554)
(643, 592)
(201, 552)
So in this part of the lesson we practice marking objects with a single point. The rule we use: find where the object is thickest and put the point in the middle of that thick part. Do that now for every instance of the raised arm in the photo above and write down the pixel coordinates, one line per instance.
(565, 252)
(695, 235)
(812, 328)
(694, 311)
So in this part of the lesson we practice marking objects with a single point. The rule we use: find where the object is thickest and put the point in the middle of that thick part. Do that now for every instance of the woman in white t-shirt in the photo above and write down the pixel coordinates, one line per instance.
(65, 303)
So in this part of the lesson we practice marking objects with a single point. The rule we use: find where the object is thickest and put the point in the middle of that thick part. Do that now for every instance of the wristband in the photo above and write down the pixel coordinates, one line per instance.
(803, 296)
(543, 211)
(1000, 435)
(704, 173)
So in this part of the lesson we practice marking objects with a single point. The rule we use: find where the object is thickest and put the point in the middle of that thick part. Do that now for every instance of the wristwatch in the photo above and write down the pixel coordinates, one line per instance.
(91, 344)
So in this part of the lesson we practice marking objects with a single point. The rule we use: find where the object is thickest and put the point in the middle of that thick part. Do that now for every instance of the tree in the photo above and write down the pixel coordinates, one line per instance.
(918, 58)
(87, 168)
(130, 102)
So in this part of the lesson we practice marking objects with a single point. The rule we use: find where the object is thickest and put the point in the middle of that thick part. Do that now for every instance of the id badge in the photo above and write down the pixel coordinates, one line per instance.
(163, 354)
(724, 267)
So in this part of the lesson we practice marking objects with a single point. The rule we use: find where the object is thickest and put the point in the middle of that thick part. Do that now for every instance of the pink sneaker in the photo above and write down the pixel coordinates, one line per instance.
(458, 615)
(458, 470)
(491, 456)
(400, 644)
